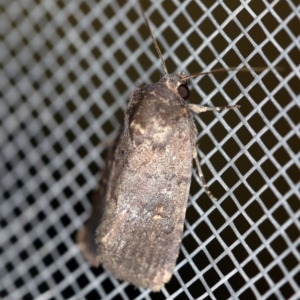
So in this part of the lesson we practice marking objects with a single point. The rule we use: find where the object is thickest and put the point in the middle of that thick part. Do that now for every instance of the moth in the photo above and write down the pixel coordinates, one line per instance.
(136, 225)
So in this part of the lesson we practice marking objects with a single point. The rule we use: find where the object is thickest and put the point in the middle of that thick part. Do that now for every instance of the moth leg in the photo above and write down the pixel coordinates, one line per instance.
(201, 175)
(199, 108)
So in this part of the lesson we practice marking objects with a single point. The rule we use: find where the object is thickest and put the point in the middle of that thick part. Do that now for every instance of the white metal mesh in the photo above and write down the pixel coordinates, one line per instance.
(67, 68)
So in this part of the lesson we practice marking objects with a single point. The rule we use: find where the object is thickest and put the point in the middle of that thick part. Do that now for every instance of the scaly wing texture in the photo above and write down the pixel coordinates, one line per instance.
(140, 232)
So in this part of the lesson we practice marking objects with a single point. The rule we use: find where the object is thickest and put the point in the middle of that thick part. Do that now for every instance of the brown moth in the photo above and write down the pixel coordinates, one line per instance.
(136, 225)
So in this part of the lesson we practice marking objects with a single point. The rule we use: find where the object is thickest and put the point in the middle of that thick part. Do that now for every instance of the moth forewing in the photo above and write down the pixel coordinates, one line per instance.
(140, 232)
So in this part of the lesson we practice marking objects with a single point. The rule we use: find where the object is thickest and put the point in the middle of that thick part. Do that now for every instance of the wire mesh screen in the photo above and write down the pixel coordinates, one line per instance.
(67, 68)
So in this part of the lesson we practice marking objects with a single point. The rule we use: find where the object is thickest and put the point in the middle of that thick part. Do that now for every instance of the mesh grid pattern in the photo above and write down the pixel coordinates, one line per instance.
(67, 68)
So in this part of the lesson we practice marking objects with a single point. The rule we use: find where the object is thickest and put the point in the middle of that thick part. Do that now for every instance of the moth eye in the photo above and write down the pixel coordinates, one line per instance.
(183, 91)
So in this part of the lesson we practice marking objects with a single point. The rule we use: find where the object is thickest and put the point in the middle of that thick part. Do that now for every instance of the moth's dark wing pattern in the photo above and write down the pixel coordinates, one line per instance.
(140, 231)
(86, 236)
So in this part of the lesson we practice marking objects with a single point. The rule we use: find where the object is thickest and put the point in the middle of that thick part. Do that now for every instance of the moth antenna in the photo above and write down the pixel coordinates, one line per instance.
(256, 69)
(153, 39)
